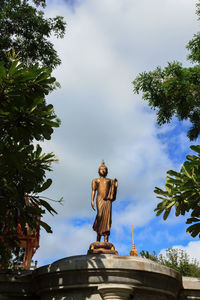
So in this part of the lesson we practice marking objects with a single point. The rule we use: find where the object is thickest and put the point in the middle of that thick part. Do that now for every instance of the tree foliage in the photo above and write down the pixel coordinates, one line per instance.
(182, 191)
(23, 27)
(24, 117)
(175, 91)
(176, 259)
(152, 256)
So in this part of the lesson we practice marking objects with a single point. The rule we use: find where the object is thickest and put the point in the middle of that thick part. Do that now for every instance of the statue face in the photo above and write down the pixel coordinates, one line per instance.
(103, 171)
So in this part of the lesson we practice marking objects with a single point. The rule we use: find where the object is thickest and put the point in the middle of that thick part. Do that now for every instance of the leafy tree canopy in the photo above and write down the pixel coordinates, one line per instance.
(182, 191)
(24, 117)
(174, 90)
(24, 28)
(176, 259)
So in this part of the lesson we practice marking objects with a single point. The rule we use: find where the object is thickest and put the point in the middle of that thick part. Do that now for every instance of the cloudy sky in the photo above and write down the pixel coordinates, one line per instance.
(106, 45)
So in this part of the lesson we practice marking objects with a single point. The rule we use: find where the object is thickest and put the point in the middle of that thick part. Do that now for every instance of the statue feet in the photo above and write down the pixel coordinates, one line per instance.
(102, 248)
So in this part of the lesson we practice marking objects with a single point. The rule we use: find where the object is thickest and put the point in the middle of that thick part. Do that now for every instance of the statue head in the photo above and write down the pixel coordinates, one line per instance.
(103, 170)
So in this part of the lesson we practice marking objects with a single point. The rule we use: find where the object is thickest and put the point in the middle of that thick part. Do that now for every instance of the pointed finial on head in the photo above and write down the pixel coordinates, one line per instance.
(103, 166)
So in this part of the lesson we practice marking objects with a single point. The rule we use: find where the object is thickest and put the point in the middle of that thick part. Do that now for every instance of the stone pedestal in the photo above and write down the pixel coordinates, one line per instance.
(191, 288)
(102, 248)
(115, 291)
(99, 277)
(106, 276)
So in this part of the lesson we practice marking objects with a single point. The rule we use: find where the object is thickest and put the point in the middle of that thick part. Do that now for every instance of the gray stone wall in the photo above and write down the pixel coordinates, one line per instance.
(16, 285)
(98, 277)
(191, 288)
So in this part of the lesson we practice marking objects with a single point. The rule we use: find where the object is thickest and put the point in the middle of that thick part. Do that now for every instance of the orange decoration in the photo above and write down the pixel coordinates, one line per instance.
(133, 251)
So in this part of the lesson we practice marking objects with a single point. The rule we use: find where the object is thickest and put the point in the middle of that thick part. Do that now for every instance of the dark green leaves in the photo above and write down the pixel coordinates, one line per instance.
(46, 185)
(24, 114)
(182, 191)
(24, 118)
(173, 91)
(45, 226)
(25, 28)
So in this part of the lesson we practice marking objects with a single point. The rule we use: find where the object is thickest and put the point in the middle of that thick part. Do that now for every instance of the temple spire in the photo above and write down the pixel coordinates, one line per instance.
(133, 251)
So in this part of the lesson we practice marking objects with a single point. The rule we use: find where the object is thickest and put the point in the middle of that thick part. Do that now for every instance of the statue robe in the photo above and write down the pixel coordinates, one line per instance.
(106, 193)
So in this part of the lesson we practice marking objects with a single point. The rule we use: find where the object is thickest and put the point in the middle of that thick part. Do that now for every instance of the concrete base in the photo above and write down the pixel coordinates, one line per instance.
(16, 285)
(111, 276)
(191, 289)
(97, 277)
(111, 291)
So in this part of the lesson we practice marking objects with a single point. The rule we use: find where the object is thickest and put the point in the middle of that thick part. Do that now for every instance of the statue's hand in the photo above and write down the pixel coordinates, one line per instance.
(92, 203)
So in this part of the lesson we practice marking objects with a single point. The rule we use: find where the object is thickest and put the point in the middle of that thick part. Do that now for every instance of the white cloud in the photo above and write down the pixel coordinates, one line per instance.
(192, 249)
(66, 240)
(107, 43)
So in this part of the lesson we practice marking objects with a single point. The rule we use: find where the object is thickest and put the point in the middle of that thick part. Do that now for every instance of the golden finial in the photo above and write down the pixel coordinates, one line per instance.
(133, 251)
(103, 165)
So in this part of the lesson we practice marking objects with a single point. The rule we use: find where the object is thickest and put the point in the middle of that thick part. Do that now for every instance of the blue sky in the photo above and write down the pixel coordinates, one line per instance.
(106, 45)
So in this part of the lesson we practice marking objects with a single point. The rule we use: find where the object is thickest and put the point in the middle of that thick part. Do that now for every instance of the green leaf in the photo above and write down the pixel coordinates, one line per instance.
(14, 67)
(174, 181)
(191, 220)
(45, 226)
(195, 148)
(168, 187)
(2, 71)
(47, 206)
(159, 212)
(46, 185)
(171, 204)
(5, 113)
(191, 157)
(38, 150)
(35, 211)
(194, 229)
(166, 214)
(35, 103)
(52, 124)
(160, 191)
(187, 169)
(162, 198)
